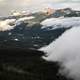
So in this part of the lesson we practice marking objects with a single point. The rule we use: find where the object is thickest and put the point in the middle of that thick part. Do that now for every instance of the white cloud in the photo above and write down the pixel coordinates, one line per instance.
(61, 22)
(9, 24)
(66, 49)
(4, 25)
(18, 22)
(26, 18)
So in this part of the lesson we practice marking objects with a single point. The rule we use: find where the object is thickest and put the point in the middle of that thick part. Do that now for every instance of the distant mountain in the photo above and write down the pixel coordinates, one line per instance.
(42, 15)
(37, 29)
(67, 12)
(21, 35)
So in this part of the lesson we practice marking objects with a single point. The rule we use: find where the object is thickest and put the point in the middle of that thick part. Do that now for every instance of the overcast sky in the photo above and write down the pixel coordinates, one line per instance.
(7, 5)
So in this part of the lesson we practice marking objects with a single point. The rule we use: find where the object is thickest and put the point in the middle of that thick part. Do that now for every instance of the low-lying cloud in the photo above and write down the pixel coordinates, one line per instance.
(61, 22)
(66, 50)
(9, 24)
(5, 24)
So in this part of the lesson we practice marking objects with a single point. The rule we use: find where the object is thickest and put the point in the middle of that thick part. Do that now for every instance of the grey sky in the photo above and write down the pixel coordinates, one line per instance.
(7, 5)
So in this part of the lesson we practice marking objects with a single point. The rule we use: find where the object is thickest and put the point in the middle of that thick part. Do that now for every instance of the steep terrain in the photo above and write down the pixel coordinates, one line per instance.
(27, 64)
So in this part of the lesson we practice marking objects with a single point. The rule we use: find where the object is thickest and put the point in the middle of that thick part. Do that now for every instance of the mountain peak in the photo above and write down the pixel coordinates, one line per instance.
(48, 11)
